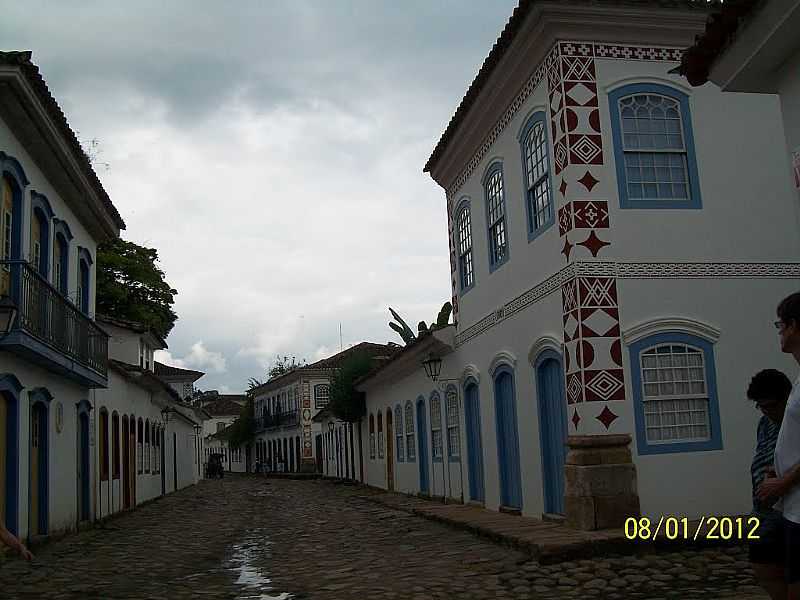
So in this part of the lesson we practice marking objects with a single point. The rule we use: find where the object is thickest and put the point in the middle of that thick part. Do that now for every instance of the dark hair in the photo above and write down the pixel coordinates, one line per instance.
(789, 308)
(769, 384)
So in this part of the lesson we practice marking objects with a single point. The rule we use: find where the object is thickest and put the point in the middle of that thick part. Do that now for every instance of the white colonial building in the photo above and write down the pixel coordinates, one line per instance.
(146, 438)
(219, 413)
(289, 438)
(619, 242)
(53, 213)
(80, 436)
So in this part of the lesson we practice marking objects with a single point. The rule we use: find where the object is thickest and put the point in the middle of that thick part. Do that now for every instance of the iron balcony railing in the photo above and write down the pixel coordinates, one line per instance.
(46, 314)
(274, 421)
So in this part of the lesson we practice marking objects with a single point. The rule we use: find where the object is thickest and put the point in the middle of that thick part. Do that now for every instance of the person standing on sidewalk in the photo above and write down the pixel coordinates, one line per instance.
(785, 484)
(769, 389)
(12, 541)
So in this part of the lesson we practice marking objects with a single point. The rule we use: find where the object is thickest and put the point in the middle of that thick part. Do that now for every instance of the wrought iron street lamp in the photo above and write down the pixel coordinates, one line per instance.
(433, 367)
(8, 313)
(167, 412)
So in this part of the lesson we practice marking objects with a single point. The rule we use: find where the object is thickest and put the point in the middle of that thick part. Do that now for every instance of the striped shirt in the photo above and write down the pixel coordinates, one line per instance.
(763, 459)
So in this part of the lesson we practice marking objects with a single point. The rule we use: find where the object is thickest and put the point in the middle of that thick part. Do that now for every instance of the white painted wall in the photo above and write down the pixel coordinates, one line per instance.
(38, 183)
(789, 90)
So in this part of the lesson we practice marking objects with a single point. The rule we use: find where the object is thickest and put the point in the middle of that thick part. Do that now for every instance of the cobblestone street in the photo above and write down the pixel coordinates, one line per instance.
(251, 538)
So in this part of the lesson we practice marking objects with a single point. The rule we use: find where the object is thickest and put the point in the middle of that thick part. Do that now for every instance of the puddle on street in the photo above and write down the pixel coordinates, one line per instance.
(255, 585)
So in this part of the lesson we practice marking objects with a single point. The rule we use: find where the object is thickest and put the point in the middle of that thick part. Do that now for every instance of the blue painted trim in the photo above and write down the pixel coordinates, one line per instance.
(10, 387)
(475, 481)
(462, 203)
(84, 406)
(453, 458)
(401, 433)
(41, 202)
(442, 424)
(695, 201)
(553, 492)
(84, 272)
(533, 233)
(409, 459)
(514, 485)
(53, 360)
(13, 171)
(491, 170)
(41, 395)
(40, 209)
(422, 443)
(643, 446)
(62, 235)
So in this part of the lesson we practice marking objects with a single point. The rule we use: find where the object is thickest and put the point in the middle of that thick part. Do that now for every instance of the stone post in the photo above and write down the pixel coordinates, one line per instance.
(601, 490)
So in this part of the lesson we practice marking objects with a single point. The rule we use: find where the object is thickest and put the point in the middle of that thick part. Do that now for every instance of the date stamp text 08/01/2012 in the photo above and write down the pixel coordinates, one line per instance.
(680, 528)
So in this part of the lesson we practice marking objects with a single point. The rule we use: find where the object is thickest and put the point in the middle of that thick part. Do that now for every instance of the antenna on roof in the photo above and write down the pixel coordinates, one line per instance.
(340, 336)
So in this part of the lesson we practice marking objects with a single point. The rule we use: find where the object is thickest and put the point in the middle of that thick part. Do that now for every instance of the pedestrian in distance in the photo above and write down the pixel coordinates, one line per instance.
(769, 390)
(785, 485)
(13, 542)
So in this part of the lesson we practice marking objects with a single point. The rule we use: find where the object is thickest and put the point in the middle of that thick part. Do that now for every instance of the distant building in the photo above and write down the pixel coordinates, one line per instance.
(287, 436)
(181, 380)
(222, 411)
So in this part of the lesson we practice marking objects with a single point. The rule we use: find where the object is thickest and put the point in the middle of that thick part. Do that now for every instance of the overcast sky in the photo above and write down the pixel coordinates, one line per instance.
(272, 151)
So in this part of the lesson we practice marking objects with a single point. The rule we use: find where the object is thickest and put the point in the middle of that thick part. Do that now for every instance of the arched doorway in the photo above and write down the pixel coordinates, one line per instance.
(552, 428)
(422, 447)
(126, 464)
(389, 450)
(507, 439)
(84, 463)
(38, 490)
(10, 388)
(472, 419)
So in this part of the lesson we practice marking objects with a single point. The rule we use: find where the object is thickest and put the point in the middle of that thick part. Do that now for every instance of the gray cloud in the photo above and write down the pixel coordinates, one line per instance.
(272, 152)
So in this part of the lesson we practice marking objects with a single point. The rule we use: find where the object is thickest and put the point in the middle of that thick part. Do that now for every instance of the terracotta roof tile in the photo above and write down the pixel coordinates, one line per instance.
(34, 77)
(163, 370)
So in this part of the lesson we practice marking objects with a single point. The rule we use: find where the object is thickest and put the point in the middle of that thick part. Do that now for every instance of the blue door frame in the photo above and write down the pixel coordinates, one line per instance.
(507, 439)
(10, 388)
(472, 417)
(83, 437)
(552, 428)
(422, 447)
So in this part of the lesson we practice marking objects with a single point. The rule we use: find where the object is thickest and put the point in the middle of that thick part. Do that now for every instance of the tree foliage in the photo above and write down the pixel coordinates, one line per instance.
(131, 286)
(404, 331)
(283, 364)
(347, 403)
(243, 429)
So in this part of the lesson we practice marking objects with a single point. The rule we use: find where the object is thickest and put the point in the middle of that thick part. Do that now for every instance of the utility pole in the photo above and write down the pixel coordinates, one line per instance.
(340, 337)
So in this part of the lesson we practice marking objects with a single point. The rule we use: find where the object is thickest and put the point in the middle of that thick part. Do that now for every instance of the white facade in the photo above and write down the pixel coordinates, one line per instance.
(280, 423)
(605, 279)
(53, 213)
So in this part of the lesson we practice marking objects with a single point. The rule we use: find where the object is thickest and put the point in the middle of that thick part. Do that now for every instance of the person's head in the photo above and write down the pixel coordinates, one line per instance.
(788, 323)
(770, 389)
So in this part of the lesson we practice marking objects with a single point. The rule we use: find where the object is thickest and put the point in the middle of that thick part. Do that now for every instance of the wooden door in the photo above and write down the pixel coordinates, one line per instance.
(472, 419)
(552, 431)
(507, 441)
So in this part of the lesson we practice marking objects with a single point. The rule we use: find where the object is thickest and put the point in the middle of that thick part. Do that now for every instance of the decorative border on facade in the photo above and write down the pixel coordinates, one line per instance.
(608, 51)
(628, 270)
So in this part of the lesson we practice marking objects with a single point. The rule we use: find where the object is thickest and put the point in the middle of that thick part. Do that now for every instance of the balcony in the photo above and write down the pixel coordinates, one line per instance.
(49, 330)
(268, 421)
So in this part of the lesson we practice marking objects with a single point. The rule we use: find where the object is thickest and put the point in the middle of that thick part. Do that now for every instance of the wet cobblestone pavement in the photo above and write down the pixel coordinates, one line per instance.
(249, 538)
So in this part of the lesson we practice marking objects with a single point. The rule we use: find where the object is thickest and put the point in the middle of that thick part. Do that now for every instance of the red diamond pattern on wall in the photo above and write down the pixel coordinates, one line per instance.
(594, 244)
(567, 249)
(580, 93)
(597, 291)
(585, 149)
(569, 295)
(560, 153)
(565, 218)
(616, 352)
(578, 68)
(588, 181)
(563, 187)
(576, 418)
(606, 417)
(590, 214)
(606, 384)
(599, 322)
(574, 388)
(571, 325)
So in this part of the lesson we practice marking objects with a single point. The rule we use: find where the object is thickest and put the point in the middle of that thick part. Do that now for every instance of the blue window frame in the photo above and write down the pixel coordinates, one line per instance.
(398, 432)
(466, 265)
(453, 421)
(437, 442)
(654, 149)
(495, 197)
(536, 169)
(411, 443)
(61, 239)
(84, 270)
(675, 394)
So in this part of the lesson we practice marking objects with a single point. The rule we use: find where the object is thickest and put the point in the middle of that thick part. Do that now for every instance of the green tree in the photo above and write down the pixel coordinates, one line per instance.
(243, 429)
(131, 286)
(347, 403)
(283, 364)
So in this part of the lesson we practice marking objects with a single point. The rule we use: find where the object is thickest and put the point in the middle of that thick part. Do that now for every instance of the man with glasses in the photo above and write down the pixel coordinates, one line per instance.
(769, 389)
(785, 485)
